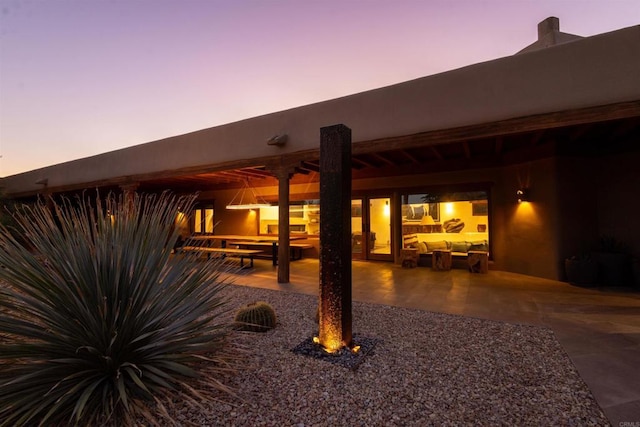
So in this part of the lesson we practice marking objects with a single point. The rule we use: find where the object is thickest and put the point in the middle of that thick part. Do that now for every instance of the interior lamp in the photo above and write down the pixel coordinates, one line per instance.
(247, 198)
(427, 220)
(522, 195)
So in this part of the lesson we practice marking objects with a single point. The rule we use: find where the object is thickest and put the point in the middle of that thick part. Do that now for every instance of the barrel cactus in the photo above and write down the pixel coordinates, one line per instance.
(256, 317)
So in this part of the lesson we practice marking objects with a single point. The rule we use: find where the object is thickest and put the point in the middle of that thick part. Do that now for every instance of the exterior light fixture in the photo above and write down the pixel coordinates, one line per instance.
(43, 181)
(278, 140)
(247, 198)
(522, 195)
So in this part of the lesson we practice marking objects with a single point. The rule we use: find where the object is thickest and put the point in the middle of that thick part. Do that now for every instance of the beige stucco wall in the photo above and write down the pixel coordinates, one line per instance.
(526, 233)
(593, 71)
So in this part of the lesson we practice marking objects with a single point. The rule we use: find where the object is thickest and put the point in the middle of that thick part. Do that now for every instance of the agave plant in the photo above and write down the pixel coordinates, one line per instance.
(99, 323)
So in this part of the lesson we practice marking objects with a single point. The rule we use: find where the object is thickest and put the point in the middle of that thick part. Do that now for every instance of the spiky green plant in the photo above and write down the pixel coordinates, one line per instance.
(100, 324)
(256, 317)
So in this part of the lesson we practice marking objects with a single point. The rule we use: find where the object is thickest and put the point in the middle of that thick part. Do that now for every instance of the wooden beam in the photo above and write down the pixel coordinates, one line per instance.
(362, 162)
(413, 159)
(467, 149)
(504, 127)
(537, 137)
(312, 166)
(436, 153)
(383, 159)
(578, 132)
(499, 142)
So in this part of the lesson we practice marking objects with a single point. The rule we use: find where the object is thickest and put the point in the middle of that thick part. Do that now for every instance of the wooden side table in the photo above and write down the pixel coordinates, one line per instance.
(409, 257)
(478, 261)
(441, 259)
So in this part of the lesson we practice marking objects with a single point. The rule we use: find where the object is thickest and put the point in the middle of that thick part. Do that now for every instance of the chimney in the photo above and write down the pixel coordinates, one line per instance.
(548, 26)
(549, 35)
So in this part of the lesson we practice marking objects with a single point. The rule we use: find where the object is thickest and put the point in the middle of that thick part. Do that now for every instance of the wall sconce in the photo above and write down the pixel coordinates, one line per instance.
(278, 140)
(522, 195)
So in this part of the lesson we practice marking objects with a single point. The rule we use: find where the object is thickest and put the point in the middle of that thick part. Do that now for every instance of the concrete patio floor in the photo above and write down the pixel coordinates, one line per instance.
(599, 328)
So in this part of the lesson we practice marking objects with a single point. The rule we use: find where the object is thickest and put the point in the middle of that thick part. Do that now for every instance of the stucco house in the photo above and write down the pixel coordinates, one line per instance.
(435, 161)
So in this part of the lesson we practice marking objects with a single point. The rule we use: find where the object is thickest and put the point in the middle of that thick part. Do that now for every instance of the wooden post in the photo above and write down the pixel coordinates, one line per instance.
(283, 175)
(335, 238)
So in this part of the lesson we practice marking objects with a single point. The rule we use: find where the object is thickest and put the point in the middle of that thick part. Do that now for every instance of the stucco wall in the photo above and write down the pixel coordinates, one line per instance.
(577, 205)
(618, 190)
(525, 238)
(594, 71)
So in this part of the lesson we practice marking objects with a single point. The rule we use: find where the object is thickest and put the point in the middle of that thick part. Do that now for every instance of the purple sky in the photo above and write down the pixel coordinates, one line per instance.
(82, 77)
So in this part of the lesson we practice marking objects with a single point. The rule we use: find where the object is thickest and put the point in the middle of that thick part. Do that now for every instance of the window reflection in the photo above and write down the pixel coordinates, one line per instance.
(455, 221)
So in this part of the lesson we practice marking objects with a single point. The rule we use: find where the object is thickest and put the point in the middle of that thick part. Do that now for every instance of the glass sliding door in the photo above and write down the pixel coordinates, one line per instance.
(357, 227)
(371, 228)
(379, 228)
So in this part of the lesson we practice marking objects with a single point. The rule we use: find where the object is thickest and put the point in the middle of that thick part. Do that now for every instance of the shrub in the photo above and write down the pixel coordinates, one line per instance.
(256, 317)
(99, 323)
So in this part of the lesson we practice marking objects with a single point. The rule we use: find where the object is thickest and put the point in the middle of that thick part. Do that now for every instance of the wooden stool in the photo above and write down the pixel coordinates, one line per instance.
(478, 261)
(441, 259)
(409, 257)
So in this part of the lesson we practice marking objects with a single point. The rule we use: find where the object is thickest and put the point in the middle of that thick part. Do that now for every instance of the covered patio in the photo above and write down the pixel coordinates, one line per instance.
(599, 328)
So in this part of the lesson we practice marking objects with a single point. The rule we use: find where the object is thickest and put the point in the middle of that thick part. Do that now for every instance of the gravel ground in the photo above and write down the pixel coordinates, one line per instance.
(425, 369)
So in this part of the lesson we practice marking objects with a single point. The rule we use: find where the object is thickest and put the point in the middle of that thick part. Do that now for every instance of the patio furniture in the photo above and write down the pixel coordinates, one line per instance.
(409, 258)
(478, 261)
(441, 260)
(242, 253)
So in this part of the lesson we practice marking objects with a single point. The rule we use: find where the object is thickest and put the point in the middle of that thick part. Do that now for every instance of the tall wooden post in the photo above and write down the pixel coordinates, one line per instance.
(283, 175)
(335, 238)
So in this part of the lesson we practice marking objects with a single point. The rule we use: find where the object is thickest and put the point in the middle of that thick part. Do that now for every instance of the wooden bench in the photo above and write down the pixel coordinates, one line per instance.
(295, 248)
(242, 253)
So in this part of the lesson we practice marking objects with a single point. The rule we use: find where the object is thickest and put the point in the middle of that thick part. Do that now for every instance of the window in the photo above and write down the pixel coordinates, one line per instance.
(203, 219)
(304, 217)
(458, 221)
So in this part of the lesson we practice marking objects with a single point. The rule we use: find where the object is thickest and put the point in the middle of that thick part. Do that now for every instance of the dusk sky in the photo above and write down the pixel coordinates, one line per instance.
(83, 77)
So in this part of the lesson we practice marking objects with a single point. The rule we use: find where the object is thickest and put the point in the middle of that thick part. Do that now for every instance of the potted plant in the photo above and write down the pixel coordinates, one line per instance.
(614, 262)
(581, 270)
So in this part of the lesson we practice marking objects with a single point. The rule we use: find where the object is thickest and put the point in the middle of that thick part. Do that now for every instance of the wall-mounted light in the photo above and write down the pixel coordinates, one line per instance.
(522, 195)
(278, 140)
(448, 208)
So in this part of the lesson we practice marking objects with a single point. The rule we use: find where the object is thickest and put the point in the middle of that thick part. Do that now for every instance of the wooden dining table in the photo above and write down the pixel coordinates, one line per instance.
(255, 240)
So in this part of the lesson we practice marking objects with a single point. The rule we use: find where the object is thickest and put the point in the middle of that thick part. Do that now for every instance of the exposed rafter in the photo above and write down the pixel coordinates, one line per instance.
(412, 158)
(362, 162)
(435, 152)
(499, 143)
(383, 159)
(467, 149)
